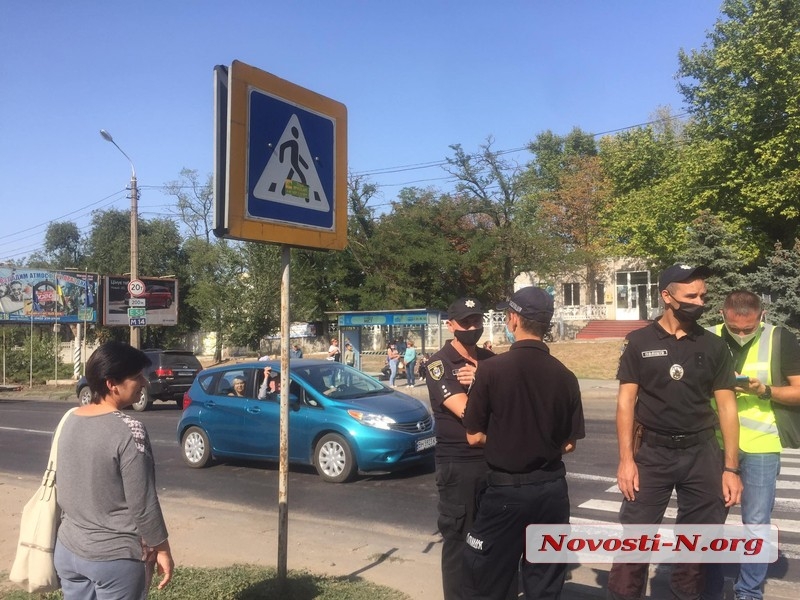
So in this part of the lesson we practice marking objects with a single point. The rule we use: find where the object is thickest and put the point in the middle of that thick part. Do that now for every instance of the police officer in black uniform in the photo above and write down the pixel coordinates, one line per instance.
(668, 373)
(525, 406)
(460, 469)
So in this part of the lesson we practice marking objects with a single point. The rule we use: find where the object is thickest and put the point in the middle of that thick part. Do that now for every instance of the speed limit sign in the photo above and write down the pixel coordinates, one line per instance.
(136, 287)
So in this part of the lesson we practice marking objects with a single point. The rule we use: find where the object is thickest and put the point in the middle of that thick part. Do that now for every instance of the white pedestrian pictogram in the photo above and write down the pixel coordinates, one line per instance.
(290, 176)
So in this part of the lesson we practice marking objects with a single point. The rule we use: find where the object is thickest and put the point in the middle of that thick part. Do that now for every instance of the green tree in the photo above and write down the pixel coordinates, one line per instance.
(215, 280)
(743, 90)
(63, 247)
(553, 154)
(109, 242)
(493, 186)
(572, 213)
(194, 202)
(651, 204)
(711, 244)
(779, 280)
(429, 249)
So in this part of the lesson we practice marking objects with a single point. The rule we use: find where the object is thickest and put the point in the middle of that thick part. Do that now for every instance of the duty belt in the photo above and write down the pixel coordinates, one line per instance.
(681, 440)
(499, 478)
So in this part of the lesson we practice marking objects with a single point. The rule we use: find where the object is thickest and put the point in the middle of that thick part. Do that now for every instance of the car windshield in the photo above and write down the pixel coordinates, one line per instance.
(336, 380)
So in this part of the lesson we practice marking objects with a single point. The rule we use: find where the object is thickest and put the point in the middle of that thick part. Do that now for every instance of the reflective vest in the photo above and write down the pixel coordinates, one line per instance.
(757, 430)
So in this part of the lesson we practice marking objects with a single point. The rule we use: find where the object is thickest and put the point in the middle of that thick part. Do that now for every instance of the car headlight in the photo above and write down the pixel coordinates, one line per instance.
(372, 419)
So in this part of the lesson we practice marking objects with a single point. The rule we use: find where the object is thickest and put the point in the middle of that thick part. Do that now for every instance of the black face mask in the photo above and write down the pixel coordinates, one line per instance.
(469, 337)
(688, 313)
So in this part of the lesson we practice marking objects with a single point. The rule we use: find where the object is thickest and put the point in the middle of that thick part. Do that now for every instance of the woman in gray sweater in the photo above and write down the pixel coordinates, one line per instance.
(112, 531)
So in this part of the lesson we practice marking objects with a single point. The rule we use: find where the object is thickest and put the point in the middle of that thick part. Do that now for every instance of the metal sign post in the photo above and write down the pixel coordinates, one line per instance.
(283, 474)
(280, 177)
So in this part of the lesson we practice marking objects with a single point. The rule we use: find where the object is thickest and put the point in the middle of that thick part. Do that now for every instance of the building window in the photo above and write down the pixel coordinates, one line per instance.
(572, 294)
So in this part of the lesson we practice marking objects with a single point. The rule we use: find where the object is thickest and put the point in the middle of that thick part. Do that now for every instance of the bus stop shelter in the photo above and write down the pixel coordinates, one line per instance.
(391, 325)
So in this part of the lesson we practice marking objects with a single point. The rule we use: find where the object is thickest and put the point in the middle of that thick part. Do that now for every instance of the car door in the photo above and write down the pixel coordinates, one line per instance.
(262, 426)
(223, 415)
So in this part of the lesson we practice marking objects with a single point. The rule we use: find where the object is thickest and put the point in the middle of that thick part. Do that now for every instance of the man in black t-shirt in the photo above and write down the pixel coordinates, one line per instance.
(525, 407)
(459, 468)
(668, 373)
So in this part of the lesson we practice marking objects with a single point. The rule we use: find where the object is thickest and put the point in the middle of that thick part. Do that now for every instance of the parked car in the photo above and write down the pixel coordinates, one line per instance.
(341, 420)
(155, 296)
(168, 377)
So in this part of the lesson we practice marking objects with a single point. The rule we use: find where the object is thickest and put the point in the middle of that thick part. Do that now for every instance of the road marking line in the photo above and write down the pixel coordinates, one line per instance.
(787, 525)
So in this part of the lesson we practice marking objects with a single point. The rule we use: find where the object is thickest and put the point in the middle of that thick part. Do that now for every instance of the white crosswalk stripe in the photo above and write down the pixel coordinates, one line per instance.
(604, 506)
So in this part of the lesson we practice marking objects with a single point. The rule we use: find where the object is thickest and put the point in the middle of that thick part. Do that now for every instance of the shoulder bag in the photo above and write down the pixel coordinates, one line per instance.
(33, 566)
(787, 418)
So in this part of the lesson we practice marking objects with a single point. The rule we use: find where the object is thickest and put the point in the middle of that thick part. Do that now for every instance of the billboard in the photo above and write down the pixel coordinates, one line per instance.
(158, 305)
(42, 296)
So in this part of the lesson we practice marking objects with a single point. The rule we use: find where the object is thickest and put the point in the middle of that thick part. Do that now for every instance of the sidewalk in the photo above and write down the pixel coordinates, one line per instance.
(213, 534)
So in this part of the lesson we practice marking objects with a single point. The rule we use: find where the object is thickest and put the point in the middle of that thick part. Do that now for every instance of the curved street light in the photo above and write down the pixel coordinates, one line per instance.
(135, 340)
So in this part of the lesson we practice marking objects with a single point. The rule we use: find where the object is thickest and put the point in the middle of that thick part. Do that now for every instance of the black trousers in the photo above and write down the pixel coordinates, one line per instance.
(458, 484)
(695, 473)
(497, 540)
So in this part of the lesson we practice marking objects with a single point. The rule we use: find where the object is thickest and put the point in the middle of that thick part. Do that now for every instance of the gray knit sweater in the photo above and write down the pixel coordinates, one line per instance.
(106, 488)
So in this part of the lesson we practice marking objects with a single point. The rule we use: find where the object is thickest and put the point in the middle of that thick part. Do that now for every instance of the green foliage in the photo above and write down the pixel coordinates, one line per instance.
(711, 244)
(194, 202)
(552, 155)
(651, 205)
(743, 89)
(63, 248)
(18, 340)
(108, 246)
(215, 277)
(779, 279)
(492, 188)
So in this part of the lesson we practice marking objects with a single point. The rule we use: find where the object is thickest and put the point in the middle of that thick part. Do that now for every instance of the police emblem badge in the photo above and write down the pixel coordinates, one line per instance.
(676, 372)
(436, 370)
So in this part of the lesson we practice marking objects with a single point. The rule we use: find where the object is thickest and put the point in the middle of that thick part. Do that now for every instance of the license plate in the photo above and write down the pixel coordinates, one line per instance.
(426, 443)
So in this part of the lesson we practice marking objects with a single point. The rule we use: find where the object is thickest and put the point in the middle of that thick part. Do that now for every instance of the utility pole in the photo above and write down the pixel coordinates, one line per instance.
(136, 339)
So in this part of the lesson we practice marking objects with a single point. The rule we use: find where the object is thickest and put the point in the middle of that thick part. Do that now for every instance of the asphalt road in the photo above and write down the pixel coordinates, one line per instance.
(407, 499)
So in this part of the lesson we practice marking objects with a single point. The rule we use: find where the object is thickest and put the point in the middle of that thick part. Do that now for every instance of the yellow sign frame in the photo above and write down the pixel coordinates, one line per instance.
(239, 225)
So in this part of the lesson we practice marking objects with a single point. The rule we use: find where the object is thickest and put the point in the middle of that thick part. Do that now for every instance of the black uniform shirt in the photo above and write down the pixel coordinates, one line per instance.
(528, 404)
(451, 437)
(676, 377)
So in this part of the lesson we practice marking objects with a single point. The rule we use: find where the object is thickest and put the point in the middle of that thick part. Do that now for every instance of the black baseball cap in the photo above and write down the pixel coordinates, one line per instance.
(680, 272)
(463, 308)
(530, 302)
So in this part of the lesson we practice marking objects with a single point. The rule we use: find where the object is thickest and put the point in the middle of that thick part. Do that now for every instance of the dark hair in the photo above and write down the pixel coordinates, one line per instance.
(113, 361)
(537, 328)
(742, 302)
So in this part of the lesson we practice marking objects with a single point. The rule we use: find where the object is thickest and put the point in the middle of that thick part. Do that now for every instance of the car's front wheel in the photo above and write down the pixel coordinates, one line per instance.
(334, 459)
(85, 396)
(196, 448)
(143, 402)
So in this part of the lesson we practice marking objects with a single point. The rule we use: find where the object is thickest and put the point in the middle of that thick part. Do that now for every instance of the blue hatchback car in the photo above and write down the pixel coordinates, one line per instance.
(340, 420)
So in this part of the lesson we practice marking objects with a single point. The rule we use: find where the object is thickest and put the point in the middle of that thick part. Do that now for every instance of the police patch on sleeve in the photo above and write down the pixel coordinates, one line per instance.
(436, 370)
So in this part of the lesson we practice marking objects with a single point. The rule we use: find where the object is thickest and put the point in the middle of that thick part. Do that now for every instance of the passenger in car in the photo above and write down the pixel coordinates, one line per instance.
(239, 386)
(270, 386)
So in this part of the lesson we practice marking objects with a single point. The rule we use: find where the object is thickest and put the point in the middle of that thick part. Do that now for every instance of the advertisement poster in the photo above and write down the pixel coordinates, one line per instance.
(43, 296)
(158, 305)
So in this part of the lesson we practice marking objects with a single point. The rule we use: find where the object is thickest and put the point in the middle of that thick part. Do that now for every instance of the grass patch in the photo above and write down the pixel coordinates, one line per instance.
(247, 582)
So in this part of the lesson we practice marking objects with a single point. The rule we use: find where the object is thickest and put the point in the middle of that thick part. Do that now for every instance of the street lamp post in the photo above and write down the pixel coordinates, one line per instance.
(135, 331)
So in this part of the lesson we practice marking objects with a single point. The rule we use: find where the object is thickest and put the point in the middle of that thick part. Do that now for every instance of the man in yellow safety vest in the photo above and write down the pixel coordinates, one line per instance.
(767, 363)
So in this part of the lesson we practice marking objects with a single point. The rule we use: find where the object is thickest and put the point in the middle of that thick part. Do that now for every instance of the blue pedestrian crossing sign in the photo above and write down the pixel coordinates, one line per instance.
(281, 173)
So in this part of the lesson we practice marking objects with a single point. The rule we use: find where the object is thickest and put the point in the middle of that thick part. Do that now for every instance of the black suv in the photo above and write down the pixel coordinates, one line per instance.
(168, 377)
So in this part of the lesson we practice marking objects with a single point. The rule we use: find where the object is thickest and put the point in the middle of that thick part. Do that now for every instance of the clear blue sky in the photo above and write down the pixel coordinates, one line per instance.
(415, 75)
